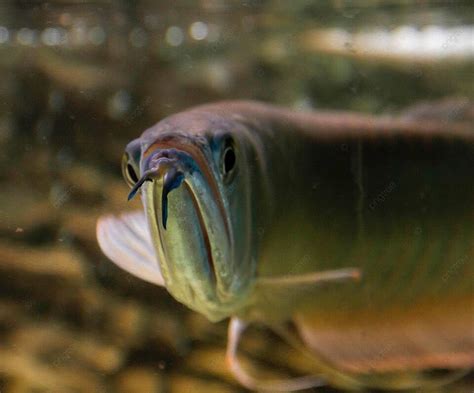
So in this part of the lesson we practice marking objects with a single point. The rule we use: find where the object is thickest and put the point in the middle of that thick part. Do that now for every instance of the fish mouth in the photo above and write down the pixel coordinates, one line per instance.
(192, 243)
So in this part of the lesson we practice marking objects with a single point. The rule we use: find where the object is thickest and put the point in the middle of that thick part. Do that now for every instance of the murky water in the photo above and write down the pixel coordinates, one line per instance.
(78, 81)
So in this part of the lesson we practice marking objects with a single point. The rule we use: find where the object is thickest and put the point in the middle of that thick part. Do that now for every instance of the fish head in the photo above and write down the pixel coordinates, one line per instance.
(196, 187)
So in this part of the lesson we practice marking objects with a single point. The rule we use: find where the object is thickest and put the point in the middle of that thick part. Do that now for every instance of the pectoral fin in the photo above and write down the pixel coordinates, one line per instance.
(126, 241)
(236, 329)
(313, 278)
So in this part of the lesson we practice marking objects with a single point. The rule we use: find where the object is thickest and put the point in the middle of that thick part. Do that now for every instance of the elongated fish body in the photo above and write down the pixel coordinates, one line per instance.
(396, 203)
(244, 200)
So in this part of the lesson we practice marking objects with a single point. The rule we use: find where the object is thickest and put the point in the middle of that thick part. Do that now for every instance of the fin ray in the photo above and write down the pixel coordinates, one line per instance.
(236, 329)
(126, 241)
(312, 278)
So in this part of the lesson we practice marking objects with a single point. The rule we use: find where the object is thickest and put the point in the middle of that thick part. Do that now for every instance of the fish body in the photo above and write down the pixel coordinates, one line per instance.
(244, 201)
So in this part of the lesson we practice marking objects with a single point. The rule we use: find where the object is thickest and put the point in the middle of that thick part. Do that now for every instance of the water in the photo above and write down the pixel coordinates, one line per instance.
(79, 80)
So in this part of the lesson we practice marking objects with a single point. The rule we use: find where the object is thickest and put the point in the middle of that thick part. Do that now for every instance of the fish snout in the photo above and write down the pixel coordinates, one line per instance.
(166, 160)
(167, 165)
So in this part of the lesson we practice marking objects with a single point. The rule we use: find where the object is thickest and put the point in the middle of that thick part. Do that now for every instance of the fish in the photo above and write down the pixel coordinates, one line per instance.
(349, 235)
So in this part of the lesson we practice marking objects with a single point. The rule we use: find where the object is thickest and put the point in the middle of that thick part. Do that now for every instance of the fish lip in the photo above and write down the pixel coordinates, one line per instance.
(205, 235)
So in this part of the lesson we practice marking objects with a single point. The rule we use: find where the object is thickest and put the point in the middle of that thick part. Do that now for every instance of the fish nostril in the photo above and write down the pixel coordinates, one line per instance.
(157, 166)
(163, 156)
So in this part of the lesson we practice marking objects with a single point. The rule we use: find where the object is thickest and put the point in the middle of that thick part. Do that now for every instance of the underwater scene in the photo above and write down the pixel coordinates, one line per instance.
(322, 243)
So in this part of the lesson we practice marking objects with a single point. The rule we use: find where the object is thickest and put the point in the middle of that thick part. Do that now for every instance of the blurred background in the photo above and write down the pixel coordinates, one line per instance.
(79, 79)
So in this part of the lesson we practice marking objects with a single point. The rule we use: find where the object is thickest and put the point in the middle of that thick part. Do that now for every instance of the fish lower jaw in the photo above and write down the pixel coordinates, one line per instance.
(214, 309)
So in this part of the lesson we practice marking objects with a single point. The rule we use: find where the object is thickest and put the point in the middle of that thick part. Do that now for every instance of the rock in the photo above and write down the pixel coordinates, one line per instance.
(139, 380)
(84, 183)
(24, 374)
(60, 347)
(81, 224)
(58, 264)
(87, 305)
(23, 212)
(125, 322)
(165, 328)
(102, 357)
(209, 361)
(182, 383)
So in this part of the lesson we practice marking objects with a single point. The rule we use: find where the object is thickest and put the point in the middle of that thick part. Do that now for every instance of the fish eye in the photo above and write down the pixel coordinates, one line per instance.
(229, 158)
(128, 171)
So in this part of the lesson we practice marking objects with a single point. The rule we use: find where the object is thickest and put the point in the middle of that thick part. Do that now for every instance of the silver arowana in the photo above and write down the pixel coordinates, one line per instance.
(356, 229)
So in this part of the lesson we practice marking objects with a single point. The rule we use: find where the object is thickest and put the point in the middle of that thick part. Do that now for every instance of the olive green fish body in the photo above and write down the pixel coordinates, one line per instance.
(243, 199)
(399, 206)
(399, 209)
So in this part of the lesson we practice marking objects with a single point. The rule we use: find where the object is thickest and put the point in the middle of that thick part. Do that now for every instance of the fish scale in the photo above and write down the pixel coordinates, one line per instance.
(396, 261)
